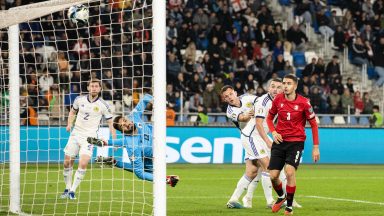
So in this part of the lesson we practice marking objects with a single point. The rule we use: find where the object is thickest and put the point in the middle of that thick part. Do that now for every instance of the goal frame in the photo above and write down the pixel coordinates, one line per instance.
(10, 18)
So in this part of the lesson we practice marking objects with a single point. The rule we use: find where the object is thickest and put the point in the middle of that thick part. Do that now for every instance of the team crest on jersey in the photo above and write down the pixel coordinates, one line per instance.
(262, 151)
(234, 115)
(281, 105)
(260, 111)
(248, 105)
(310, 110)
(296, 107)
(96, 109)
(139, 125)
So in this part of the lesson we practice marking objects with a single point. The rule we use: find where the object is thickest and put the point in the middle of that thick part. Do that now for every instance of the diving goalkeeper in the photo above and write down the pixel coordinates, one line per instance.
(137, 141)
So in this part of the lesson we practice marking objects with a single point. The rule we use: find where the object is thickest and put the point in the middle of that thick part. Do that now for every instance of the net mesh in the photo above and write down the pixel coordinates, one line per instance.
(57, 58)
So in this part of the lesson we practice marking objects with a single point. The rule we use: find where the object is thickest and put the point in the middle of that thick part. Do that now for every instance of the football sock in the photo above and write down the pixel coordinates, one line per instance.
(279, 189)
(79, 175)
(283, 179)
(267, 187)
(253, 185)
(67, 173)
(290, 194)
(242, 185)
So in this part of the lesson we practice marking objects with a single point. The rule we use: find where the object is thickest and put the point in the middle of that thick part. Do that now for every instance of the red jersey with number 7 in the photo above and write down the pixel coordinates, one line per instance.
(292, 116)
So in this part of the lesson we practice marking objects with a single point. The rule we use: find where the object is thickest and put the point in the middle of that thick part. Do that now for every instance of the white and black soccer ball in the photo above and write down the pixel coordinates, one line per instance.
(78, 14)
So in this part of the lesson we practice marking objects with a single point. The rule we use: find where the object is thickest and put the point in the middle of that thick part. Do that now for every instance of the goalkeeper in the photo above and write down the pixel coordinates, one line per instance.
(138, 142)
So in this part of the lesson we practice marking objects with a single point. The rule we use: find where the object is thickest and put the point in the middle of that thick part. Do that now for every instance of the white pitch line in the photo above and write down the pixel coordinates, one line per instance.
(312, 197)
(303, 178)
(345, 200)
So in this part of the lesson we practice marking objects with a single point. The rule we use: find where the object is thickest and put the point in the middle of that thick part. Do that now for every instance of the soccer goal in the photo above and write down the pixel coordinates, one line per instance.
(46, 61)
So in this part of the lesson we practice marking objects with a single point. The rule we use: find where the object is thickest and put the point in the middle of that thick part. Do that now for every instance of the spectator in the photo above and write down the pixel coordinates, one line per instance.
(347, 102)
(320, 66)
(359, 52)
(45, 82)
(376, 119)
(349, 85)
(339, 39)
(202, 116)
(334, 101)
(368, 103)
(28, 114)
(170, 116)
(211, 100)
(250, 84)
(171, 30)
(333, 68)
(359, 103)
(194, 85)
(347, 21)
(259, 91)
(315, 98)
(337, 85)
(194, 101)
(180, 84)
(324, 25)
(309, 68)
(379, 62)
(297, 38)
(173, 68)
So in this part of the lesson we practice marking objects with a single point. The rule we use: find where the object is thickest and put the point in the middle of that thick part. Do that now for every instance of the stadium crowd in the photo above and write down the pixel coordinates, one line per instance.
(209, 44)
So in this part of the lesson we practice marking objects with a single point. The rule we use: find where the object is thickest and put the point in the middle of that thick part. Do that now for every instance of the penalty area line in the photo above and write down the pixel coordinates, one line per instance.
(344, 200)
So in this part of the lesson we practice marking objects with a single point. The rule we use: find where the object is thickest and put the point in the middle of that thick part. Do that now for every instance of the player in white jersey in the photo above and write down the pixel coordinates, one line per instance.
(89, 109)
(241, 111)
(264, 142)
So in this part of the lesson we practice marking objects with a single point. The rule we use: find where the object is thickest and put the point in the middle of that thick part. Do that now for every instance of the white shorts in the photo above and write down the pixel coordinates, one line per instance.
(255, 147)
(78, 145)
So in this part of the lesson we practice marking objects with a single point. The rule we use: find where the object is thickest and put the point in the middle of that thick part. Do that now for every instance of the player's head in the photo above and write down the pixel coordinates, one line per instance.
(94, 87)
(275, 87)
(124, 125)
(289, 84)
(229, 94)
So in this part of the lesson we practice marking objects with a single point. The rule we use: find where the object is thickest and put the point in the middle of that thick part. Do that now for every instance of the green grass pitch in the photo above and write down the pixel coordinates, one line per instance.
(203, 190)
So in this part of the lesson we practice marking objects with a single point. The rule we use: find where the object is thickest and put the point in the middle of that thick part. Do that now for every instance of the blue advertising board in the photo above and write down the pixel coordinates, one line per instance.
(206, 145)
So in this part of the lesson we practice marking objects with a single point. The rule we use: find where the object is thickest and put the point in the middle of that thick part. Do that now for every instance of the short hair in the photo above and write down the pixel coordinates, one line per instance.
(292, 77)
(376, 107)
(225, 88)
(274, 80)
(116, 124)
(94, 81)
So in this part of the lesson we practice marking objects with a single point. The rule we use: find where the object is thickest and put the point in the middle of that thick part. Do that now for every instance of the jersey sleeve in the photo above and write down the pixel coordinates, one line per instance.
(273, 110)
(75, 104)
(233, 114)
(140, 107)
(260, 109)
(107, 112)
(309, 113)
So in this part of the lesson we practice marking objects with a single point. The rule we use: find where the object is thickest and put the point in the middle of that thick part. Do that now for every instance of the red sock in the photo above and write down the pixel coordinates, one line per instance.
(279, 189)
(290, 194)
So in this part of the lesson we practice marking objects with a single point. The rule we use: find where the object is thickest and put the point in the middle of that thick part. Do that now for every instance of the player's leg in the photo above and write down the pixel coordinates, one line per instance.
(294, 153)
(276, 164)
(85, 152)
(243, 183)
(71, 150)
(263, 160)
(247, 199)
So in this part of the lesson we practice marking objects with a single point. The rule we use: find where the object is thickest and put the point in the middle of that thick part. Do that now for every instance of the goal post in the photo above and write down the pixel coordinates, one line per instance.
(43, 165)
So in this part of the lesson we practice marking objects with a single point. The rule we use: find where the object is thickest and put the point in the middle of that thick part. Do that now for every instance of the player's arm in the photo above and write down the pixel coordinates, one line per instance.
(263, 134)
(140, 107)
(111, 128)
(271, 115)
(72, 113)
(311, 116)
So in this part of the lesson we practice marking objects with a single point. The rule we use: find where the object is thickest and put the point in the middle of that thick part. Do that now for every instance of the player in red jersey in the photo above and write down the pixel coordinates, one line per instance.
(293, 111)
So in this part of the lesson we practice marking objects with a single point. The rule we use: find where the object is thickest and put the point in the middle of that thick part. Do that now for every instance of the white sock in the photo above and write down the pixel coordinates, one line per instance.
(267, 187)
(283, 179)
(242, 185)
(67, 173)
(253, 185)
(79, 175)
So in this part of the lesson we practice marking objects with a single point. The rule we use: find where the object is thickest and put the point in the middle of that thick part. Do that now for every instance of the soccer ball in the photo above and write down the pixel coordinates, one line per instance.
(78, 14)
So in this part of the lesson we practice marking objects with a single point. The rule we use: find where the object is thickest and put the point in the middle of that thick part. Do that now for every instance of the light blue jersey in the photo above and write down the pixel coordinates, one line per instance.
(139, 146)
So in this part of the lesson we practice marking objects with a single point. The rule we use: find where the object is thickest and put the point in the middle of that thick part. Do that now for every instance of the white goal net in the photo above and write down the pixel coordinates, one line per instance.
(57, 58)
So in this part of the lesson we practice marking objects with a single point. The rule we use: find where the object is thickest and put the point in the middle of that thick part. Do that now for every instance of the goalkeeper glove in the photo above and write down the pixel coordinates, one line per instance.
(95, 141)
(172, 180)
